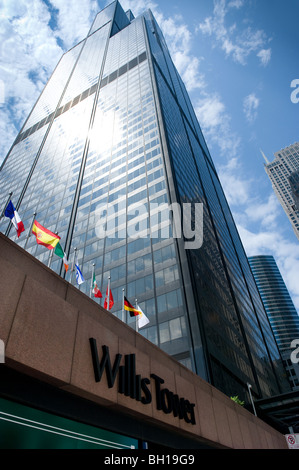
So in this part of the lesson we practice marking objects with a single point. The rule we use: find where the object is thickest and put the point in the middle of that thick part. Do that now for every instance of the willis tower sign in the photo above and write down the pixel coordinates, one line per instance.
(137, 387)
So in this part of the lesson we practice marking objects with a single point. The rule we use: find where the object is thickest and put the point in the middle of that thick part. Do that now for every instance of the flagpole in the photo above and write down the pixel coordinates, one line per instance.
(91, 282)
(136, 322)
(9, 198)
(77, 263)
(123, 307)
(51, 254)
(108, 293)
(50, 257)
(2, 215)
(71, 279)
(30, 230)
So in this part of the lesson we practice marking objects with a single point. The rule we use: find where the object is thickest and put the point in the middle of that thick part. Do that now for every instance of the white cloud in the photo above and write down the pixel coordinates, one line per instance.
(209, 107)
(74, 19)
(235, 43)
(265, 213)
(286, 254)
(188, 68)
(250, 107)
(236, 4)
(29, 53)
(215, 123)
(235, 186)
(138, 6)
(260, 223)
(210, 110)
(179, 40)
(31, 44)
(265, 56)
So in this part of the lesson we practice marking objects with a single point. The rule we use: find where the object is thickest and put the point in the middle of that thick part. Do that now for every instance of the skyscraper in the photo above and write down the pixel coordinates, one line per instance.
(280, 309)
(114, 135)
(284, 173)
(294, 183)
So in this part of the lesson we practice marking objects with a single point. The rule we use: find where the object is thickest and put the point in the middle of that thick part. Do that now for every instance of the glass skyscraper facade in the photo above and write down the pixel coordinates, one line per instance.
(283, 173)
(114, 128)
(280, 309)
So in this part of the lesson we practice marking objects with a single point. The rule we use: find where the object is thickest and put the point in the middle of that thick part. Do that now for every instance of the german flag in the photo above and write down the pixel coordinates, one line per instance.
(44, 236)
(134, 312)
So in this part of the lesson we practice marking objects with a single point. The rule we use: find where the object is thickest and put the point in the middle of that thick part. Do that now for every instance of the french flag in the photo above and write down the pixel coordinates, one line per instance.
(12, 214)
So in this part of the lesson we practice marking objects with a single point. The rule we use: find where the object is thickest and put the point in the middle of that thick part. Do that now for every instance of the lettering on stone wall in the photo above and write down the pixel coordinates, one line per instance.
(137, 387)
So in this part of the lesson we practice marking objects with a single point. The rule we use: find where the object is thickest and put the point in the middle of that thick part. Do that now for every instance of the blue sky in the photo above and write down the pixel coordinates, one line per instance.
(237, 59)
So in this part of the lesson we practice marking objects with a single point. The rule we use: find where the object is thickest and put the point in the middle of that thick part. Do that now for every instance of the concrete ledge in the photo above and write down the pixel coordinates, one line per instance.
(46, 324)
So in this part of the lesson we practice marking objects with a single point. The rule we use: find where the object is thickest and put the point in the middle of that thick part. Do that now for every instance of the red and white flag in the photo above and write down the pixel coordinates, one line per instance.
(95, 290)
(109, 302)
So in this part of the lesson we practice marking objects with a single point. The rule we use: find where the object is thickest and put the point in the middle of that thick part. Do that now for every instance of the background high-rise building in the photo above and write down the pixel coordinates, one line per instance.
(284, 175)
(294, 183)
(280, 309)
(114, 127)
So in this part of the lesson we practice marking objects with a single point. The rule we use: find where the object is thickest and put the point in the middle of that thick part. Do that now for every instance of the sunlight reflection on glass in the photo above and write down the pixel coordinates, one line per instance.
(106, 130)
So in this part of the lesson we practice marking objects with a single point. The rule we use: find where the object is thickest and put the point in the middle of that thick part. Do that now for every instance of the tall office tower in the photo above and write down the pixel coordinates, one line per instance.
(294, 183)
(280, 309)
(114, 129)
(284, 173)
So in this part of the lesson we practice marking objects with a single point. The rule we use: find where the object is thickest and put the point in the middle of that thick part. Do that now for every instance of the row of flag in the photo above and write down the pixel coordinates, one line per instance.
(43, 235)
(52, 241)
(136, 312)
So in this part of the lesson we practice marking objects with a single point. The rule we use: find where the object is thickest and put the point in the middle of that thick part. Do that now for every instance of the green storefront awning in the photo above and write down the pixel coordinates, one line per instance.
(23, 427)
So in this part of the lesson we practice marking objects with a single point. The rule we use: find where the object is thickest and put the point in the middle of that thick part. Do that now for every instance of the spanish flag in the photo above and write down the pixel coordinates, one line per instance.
(44, 236)
(134, 312)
